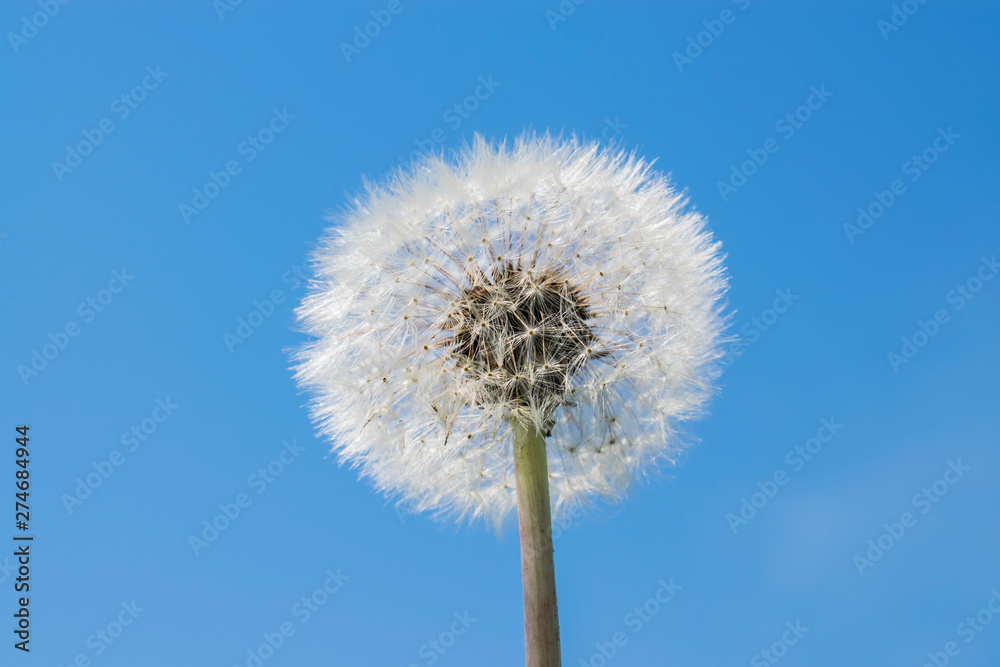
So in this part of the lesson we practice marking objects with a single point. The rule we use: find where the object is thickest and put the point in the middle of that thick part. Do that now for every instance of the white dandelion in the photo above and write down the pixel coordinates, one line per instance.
(524, 324)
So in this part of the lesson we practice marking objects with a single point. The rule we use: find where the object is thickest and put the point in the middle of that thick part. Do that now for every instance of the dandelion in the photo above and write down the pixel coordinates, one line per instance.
(525, 324)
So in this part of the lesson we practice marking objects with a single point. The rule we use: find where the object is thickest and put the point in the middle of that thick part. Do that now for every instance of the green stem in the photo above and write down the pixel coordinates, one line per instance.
(538, 572)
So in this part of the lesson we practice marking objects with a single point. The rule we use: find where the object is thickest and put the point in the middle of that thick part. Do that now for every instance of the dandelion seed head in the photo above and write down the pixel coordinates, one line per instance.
(542, 280)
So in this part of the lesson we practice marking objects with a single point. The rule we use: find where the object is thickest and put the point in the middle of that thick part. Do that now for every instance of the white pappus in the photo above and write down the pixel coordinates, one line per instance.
(544, 280)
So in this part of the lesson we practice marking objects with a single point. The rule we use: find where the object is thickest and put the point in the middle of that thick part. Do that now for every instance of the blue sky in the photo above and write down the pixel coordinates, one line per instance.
(167, 169)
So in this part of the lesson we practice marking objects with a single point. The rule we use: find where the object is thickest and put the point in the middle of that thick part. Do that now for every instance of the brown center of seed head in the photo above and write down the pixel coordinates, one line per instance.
(521, 334)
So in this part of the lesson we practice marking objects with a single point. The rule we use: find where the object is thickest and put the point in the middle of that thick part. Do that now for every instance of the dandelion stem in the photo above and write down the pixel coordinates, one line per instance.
(538, 573)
